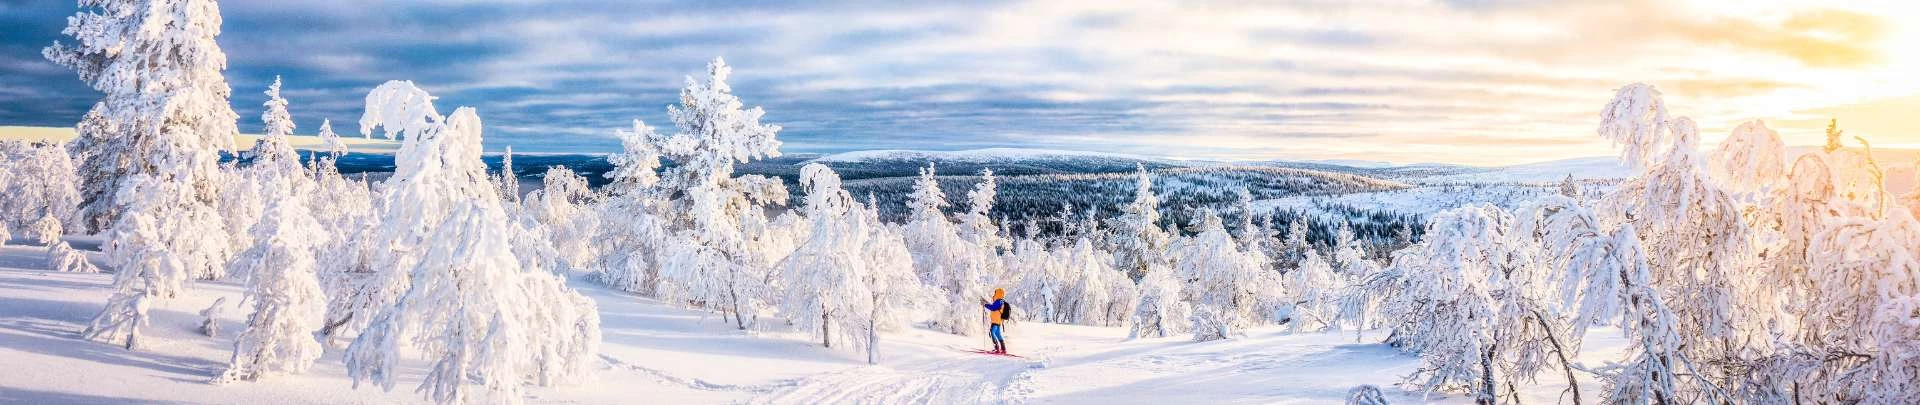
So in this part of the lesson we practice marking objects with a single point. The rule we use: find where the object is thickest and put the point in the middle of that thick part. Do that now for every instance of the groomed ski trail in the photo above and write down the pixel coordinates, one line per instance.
(962, 378)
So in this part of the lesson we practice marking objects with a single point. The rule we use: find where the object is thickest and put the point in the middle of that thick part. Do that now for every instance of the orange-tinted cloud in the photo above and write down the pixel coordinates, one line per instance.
(1887, 121)
(1818, 38)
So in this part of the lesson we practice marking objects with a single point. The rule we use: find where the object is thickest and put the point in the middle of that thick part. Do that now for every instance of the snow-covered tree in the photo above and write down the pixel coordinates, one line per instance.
(1351, 266)
(1837, 262)
(156, 247)
(1314, 289)
(633, 223)
(841, 281)
(451, 288)
(165, 109)
(39, 183)
(1073, 284)
(1256, 232)
(1139, 241)
(894, 291)
(346, 262)
(1690, 226)
(1223, 282)
(563, 206)
(271, 170)
(1570, 188)
(288, 303)
(821, 280)
(976, 227)
(335, 146)
(712, 258)
(1694, 245)
(1751, 159)
(1160, 311)
(1100, 295)
(944, 260)
(1865, 346)
(1658, 368)
(1475, 305)
(508, 180)
(1583, 258)
(1040, 282)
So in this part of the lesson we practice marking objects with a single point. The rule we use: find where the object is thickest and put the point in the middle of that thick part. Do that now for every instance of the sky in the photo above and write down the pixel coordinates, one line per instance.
(1483, 82)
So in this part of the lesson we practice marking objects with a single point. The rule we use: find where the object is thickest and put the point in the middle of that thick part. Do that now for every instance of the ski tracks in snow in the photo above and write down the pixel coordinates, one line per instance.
(694, 383)
(965, 378)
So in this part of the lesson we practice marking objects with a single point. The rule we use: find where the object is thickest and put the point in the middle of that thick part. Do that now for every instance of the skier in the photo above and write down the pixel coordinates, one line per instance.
(998, 311)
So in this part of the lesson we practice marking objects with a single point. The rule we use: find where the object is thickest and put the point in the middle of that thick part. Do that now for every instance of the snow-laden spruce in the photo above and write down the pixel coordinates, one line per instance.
(711, 257)
(164, 110)
(288, 304)
(329, 140)
(1139, 242)
(451, 289)
(267, 171)
(147, 150)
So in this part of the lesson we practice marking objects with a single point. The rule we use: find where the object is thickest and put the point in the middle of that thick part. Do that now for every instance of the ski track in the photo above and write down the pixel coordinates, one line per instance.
(694, 383)
(966, 378)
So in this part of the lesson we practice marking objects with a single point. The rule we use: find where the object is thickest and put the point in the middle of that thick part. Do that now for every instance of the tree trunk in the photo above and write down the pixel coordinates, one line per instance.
(873, 337)
(733, 296)
(1486, 396)
(1561, 352)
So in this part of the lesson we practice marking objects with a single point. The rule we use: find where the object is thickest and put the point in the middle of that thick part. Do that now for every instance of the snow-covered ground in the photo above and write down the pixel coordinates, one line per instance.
(657, 353)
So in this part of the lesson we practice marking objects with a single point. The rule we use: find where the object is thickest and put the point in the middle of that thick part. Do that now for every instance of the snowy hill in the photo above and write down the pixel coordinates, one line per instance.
(977, 155)
(1587, 168)
(1185, 189)
(1003, 161)
(667, 354)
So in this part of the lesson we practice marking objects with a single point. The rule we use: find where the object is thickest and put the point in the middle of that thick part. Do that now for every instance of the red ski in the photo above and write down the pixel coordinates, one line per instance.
(990, 352)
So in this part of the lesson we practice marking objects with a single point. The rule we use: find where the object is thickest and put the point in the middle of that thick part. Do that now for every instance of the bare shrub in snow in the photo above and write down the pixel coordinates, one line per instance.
(64, 258)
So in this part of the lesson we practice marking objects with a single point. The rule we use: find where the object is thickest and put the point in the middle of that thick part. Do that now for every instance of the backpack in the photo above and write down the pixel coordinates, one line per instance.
(1006, 311)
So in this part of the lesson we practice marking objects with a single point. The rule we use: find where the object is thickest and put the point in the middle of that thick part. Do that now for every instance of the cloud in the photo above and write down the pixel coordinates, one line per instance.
(1470, 81)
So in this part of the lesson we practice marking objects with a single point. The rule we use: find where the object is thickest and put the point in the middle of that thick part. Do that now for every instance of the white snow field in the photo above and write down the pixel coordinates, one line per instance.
(656, 353)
